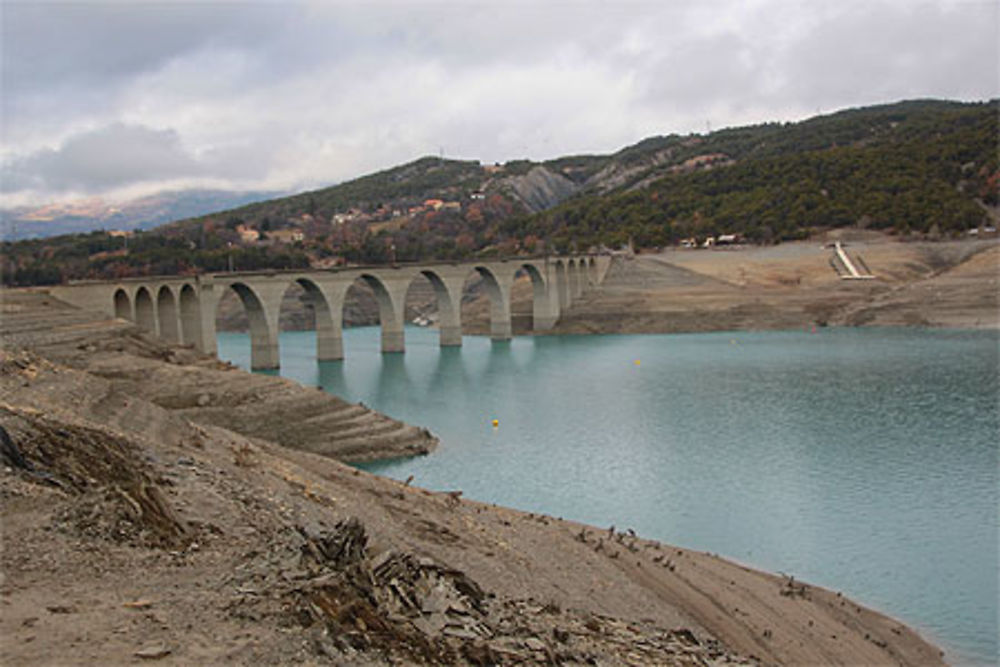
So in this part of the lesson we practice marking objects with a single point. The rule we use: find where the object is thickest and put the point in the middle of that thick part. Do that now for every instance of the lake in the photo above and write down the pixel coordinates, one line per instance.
(862, 460)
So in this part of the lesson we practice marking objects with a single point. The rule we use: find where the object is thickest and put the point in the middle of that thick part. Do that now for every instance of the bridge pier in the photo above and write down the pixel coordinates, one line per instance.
(326, 299)
(264, 353)
(167, 317)
(393, 340)
(448, 290)
(498, 291)
(329, 346)
(545, 300)
(451, 335)
(501, 330)
(573, 280)
(561, 285)
(390, 293)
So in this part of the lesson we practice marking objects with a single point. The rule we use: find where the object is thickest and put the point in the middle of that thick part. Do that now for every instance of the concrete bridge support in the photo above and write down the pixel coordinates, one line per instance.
(191, 316)
(390, 293)
(167, 316)
(561, 285)
(145, 312)
(262, 303)
(573, 278)
(329, 342)
(448, 291)
(123, 305)
(498, 290)
(545, 301)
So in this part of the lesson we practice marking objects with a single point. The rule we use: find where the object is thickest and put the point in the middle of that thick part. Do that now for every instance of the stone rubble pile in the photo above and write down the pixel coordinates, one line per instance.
(397, 606)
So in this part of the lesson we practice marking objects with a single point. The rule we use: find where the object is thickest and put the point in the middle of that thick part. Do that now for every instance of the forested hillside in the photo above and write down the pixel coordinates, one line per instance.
(918, 167)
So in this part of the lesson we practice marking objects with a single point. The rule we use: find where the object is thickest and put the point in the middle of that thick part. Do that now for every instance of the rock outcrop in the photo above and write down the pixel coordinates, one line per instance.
(540, 188)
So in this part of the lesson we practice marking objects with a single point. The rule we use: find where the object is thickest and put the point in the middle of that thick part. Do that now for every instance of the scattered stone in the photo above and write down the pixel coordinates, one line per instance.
(153, 652)
(61, 609)
(792, 589)
(459, 632)
(138, 604)
(534, 644)
(480, 653)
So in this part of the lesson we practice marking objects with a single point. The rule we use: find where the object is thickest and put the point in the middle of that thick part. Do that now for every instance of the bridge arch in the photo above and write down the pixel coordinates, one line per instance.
(544, 306)
(263, 333)
(390, 313)
(123, 306)
(327, 322)
(145, 314)
(190, 315)
(448, 308)
(166, 315)
(499, 296)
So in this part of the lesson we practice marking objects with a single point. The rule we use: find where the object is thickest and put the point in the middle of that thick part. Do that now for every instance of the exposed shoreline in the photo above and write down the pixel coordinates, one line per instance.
(952, 284)
(227, 504)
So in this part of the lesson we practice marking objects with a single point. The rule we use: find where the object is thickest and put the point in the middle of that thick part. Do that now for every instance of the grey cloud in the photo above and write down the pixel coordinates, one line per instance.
(891, 51)
(109, 157)
(51, 44)
(698, 74)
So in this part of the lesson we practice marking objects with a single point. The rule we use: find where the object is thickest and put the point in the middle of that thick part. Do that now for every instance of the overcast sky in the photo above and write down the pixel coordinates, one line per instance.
(119, 98)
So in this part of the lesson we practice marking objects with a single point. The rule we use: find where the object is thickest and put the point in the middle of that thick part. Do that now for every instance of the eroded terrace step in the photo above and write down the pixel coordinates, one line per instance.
(373, 428)
(340, 421)
(409, 440)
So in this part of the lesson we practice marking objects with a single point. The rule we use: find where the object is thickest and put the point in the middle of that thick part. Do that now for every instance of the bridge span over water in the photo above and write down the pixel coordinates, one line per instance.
(182, 309)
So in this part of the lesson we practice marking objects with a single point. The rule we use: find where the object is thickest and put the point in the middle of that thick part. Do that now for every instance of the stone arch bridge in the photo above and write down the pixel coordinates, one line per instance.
(182, 309)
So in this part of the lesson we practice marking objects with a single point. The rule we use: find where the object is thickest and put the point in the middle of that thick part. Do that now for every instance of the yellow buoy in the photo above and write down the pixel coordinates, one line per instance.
(636, 362)
(496, 422)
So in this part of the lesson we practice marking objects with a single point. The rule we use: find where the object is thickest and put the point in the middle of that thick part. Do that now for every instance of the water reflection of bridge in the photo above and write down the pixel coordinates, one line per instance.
(182, 309)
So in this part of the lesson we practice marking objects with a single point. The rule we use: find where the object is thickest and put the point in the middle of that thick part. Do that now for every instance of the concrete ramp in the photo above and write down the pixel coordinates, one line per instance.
(847, 268)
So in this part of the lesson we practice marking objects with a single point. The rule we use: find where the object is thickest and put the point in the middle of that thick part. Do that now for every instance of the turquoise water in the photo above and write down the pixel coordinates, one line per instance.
(864, 460)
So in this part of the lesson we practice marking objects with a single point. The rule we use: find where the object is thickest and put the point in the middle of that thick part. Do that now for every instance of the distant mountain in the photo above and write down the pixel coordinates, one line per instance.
(86, 215)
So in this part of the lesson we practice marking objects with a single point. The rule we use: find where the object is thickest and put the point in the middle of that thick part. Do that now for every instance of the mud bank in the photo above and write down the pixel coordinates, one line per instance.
(141, 523)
